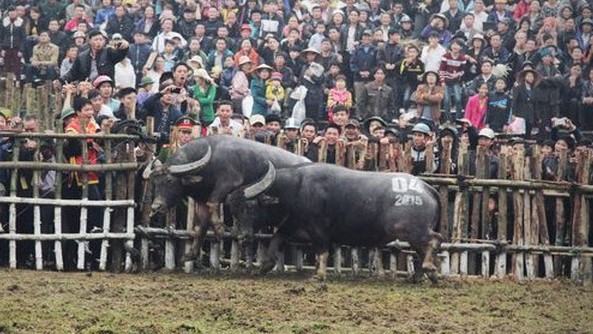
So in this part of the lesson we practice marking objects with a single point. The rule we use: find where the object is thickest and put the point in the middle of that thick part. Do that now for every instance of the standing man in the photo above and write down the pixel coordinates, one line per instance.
(98, 59)
(362, 63)
(12, 37)
(377, 98)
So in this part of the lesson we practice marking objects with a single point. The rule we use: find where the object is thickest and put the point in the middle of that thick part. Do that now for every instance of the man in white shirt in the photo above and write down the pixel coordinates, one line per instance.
(224, 124)
(480, 15)
(167, 32)
(125, 76)
(432, 54)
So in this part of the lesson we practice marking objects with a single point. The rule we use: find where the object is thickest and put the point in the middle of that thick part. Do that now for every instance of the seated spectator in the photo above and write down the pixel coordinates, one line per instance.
(44, 59)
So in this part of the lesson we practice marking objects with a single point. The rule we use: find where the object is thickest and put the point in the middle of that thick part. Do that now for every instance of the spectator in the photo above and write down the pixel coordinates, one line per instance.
(239, 88)
(128, 105)
(477, 106)
(499, 107)
(433, 53)
(376, 98)
(451, 71)
(438, 24)
(44, 60)
(12, 37)
(275, 93)
(120, 23)
(161, 107)
(156, 72)
(148, 24)
(362, 62)
(98, 60)
(166, 33)
(205, 91)
(421, 138)
(258, 90)
(429, 96)
(145, 88)
(410, 69)
(523, 98)
(338, 95)
(223, 122)
(125, 74)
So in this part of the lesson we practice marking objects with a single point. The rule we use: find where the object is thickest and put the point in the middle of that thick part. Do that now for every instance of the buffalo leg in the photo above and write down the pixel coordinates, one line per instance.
(201, 219)
(321, 256)
(428, 264)
(269, 260)
(215, 219)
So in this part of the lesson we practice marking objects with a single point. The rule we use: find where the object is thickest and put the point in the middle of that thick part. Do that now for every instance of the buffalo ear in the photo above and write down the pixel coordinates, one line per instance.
(190, 180)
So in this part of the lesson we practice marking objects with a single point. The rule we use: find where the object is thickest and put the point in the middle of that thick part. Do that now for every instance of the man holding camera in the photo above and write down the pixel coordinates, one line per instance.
(163, 108)
(98, 59)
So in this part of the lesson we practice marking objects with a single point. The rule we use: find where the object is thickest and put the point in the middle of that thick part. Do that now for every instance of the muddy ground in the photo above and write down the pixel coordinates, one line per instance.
(51, 302)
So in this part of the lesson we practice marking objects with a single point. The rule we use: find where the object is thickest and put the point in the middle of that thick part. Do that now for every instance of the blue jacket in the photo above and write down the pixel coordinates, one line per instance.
(153, 107)
(212, 57)
(363, 59)
(138, 55)
(258, 91)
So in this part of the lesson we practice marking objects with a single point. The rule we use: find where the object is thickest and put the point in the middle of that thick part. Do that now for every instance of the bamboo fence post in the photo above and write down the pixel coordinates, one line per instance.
(171, 217)
(9, 90)
(486, 227)
(298, 258)
(128, 265)
(527, 224)
(376, 262)
(58, 197)
(542, 235)
(429, 157)
(12, 208)
(82, 245)
(354, 254)
(146, 200)
(460, 213)
(559, 212)
(37, 213)
(337, 260)
(480, 163)
(581, 271)
(444, 190)
(117, 249)
(393, 263)
(107, 211)
(188, 266)
(29, 100)
(501, 256)
(517, 174)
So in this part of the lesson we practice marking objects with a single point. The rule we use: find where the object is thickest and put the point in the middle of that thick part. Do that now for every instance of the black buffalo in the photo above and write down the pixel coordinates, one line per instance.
(211, 168)
(332, 204)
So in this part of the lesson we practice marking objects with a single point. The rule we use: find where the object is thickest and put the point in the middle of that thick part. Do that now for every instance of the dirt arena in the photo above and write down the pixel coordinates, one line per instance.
(51, 302)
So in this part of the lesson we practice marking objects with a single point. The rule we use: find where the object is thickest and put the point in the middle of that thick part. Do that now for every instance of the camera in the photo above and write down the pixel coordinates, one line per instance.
(175, 90)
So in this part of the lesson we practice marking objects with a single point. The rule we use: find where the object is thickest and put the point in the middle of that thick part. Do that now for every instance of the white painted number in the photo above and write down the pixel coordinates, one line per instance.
(406, 200)
(401, 185)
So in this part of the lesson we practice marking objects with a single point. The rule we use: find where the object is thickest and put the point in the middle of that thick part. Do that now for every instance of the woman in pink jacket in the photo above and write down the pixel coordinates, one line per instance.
(477, 105)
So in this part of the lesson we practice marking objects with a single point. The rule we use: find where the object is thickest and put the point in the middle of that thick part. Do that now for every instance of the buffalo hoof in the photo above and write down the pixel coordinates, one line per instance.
(318, 278)
(432, 276)
(187, 257)
(267, 266)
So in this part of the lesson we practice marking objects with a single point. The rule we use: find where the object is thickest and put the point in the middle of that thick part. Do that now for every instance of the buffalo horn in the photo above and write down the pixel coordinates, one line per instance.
(263, 184)
(155, 163)
(192, 166)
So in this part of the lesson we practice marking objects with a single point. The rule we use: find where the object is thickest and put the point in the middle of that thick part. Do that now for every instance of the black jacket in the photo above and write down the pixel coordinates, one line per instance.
(125, 26)
(106, 60)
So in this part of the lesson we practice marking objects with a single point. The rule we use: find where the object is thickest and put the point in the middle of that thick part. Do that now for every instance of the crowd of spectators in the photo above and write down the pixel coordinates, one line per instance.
(343, 72)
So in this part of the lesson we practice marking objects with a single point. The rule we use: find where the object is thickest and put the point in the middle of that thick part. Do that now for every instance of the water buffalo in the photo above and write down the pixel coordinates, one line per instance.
(333, 204)
(209, 169)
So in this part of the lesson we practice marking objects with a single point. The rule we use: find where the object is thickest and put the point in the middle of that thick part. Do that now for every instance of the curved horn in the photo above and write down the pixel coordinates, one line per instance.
(192, 166)
(261, 185)
(150, 168)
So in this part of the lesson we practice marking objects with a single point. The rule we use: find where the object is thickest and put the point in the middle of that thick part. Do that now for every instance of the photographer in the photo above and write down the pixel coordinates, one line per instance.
(164, 107)
(97, 60)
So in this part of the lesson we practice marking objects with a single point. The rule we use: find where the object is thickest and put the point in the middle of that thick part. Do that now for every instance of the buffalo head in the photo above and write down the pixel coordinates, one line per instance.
(172, 182)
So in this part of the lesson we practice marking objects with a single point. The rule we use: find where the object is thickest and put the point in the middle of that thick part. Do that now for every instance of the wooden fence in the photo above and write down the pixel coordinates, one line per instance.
(517, 224)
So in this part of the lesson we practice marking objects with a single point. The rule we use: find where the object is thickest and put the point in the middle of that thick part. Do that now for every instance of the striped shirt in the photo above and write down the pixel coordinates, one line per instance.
(452, 68)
